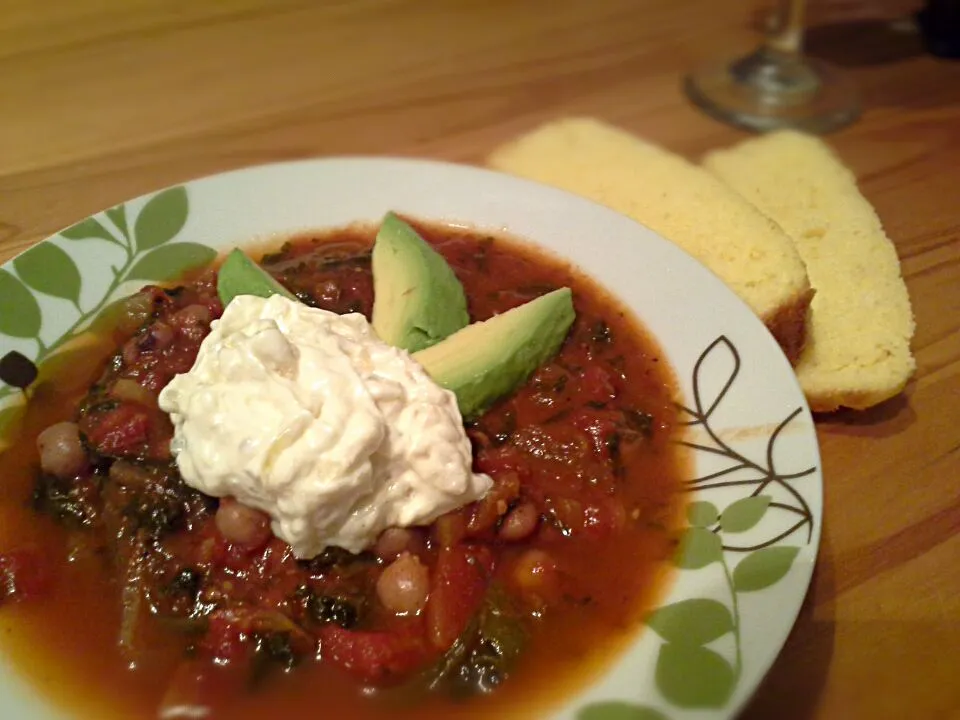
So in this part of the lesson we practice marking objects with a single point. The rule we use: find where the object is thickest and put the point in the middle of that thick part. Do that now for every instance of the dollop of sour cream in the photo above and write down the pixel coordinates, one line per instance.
(308, 416)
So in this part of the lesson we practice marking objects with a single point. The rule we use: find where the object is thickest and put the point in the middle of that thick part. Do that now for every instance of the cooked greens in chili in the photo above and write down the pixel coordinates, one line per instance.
(162, 600)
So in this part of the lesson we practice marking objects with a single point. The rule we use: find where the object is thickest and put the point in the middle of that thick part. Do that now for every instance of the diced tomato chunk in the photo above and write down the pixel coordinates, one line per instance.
(236, 557)
(597, 385)
(120, 431)
(379, 657)
(599, 426)
(450, 529)
(207, 546)
(486, 512)
(459, 582)
(225, 640)
(507, 459)
(23, 576)
(215, 307)
(603, 518)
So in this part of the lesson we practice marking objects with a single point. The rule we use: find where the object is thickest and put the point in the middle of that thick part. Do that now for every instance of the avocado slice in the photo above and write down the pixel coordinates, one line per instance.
(417, 299)
(480, 362)
(239, 275)
(489, 359)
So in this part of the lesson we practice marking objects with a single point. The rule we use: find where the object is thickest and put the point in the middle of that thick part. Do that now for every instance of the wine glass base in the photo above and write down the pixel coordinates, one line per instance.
(769, 91)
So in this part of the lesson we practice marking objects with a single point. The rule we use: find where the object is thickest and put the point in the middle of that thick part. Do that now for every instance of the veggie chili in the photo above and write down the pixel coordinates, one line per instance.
(185, 600)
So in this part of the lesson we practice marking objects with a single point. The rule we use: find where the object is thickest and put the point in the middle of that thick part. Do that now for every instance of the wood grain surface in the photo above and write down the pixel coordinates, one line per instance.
(101, 100)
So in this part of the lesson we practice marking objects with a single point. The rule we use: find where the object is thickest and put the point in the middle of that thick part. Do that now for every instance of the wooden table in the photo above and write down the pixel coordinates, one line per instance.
(101, 101)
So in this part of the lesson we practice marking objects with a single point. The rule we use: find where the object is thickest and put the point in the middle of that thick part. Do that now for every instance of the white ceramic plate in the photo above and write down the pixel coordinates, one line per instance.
(755, 494)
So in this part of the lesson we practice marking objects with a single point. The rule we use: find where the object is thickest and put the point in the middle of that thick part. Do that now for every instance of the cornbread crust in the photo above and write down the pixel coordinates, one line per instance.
(788, 324)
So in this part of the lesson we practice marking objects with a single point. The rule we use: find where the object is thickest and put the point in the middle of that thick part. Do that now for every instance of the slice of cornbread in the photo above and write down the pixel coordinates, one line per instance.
(680, 201)
(861, 324)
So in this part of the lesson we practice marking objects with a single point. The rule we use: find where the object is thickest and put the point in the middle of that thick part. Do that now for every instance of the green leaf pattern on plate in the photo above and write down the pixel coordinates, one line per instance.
(19, 311)
(616, 710)
(147, 255)
(89, 229)
(696, 621)
(764, 567)
(743, 514)
(48, 269)
(171, 260)
(702, 513)
(698, 548)
(690, 676)
(161, 219)
(118, 216)
(692, 673)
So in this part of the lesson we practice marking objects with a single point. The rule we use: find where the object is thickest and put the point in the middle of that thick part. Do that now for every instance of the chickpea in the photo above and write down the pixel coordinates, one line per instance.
(394, 541)
(61, 452)
(536, 576)
(193, 315)
(161, 335)
(192, 322)
(404, 585)
(520, 523)
(241, 524)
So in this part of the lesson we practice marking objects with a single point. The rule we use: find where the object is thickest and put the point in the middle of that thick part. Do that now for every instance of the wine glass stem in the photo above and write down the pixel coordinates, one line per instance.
(787, 35)
(777, 85)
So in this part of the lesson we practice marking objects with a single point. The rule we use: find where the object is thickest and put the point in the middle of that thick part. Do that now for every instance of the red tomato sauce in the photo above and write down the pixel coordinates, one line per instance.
(121, 593)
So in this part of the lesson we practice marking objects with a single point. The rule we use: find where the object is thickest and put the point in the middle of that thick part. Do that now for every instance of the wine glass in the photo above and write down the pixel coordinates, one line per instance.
(776, 86)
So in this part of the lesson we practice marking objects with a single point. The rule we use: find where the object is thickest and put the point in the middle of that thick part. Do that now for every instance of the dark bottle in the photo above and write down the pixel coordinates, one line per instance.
(940, 24)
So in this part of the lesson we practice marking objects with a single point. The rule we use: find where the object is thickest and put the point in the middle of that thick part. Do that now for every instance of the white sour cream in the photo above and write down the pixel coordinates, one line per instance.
(308, 416)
